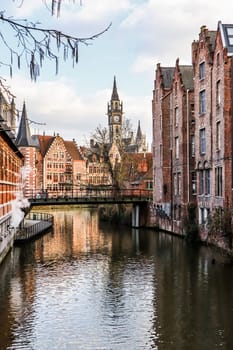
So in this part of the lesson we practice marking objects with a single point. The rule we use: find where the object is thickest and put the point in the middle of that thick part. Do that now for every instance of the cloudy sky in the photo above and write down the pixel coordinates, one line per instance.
(143, 33)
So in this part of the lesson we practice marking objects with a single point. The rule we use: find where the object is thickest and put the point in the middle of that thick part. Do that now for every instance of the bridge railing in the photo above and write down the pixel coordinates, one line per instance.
(110, 193)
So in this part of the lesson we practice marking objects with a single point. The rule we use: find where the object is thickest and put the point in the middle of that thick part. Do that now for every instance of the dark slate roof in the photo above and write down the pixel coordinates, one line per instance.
(167, 76)
(24, 135)
(187, 76)
(226, 31)
(114, 91)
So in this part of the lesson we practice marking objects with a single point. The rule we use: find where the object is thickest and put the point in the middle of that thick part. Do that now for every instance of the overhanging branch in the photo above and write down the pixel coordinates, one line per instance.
(36, 44)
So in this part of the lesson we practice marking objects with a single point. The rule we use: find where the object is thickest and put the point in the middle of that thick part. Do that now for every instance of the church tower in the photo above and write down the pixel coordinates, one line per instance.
(115, 114)
(28, 148)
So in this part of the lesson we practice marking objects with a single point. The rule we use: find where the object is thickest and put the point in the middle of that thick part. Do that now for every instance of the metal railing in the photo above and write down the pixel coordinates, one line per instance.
(92, 196)
(34, 224)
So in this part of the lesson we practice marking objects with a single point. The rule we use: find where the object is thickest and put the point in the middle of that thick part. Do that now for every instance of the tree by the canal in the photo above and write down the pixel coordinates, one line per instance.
(100, 144)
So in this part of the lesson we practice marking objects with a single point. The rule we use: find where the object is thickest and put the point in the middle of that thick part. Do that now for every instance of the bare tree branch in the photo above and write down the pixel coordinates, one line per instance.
(35, 44)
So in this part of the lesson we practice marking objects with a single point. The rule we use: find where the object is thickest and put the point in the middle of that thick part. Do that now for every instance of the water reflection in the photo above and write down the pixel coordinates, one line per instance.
(89, 285)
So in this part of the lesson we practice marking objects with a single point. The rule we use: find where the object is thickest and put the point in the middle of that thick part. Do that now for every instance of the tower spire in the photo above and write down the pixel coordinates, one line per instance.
(114, 90)
(139, 132)
(24, 135)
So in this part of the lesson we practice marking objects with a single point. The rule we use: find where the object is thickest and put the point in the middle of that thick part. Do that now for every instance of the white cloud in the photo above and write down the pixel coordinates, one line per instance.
(144, 63)
(71, 115)
(166, 29)
(143, 34)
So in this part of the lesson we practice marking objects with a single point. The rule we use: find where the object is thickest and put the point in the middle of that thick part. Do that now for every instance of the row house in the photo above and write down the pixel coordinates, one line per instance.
(182, 140)
(61, 166)
(98, 168)
(161, 147)
(212, 57)
(173, 137)
(192, 131)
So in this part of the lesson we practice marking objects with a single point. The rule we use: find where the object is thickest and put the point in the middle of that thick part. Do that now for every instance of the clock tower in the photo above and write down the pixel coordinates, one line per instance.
(115, 113)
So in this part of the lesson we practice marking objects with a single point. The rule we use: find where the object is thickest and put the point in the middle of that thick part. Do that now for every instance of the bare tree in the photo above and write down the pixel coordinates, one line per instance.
(33, 44)
(100, 135)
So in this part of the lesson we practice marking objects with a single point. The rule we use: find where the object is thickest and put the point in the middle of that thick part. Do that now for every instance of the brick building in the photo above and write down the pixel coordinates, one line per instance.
(162, 191)
(61, 167)
(192, 130)
(212, 57)
(11, 160)
(173, 133)
(182, 133)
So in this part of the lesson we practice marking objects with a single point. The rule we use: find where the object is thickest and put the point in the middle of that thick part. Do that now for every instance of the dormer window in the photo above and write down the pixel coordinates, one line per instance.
(230, 35)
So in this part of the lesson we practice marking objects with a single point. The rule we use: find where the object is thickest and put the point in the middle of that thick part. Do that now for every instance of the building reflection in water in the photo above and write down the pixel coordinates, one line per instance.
(89, 281)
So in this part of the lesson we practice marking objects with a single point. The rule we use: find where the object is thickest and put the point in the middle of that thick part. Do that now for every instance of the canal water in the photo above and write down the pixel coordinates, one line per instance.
(90, 285)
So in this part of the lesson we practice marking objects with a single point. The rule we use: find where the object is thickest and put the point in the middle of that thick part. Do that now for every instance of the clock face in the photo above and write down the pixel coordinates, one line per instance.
(116, 118)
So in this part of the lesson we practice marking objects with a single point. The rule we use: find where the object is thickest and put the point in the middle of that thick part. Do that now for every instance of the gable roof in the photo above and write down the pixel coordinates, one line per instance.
(187, 76)
(73, 150)
(167, 76)
(44, 142)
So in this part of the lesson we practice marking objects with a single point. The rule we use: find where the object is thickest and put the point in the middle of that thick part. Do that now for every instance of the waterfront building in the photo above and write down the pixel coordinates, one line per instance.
(173, 134)
(161, 145)
(212, 56)
(61, 166)
(181, 138)
(192, 133)
(11, 160)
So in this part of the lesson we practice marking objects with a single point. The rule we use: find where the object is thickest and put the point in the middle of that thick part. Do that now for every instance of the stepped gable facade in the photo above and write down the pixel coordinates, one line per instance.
(62, 167)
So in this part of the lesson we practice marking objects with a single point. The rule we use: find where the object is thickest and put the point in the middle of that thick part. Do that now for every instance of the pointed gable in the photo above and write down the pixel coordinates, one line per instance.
(24, 135)
(44, 143)
(187, 76)
(73, 150)
(167, 76)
